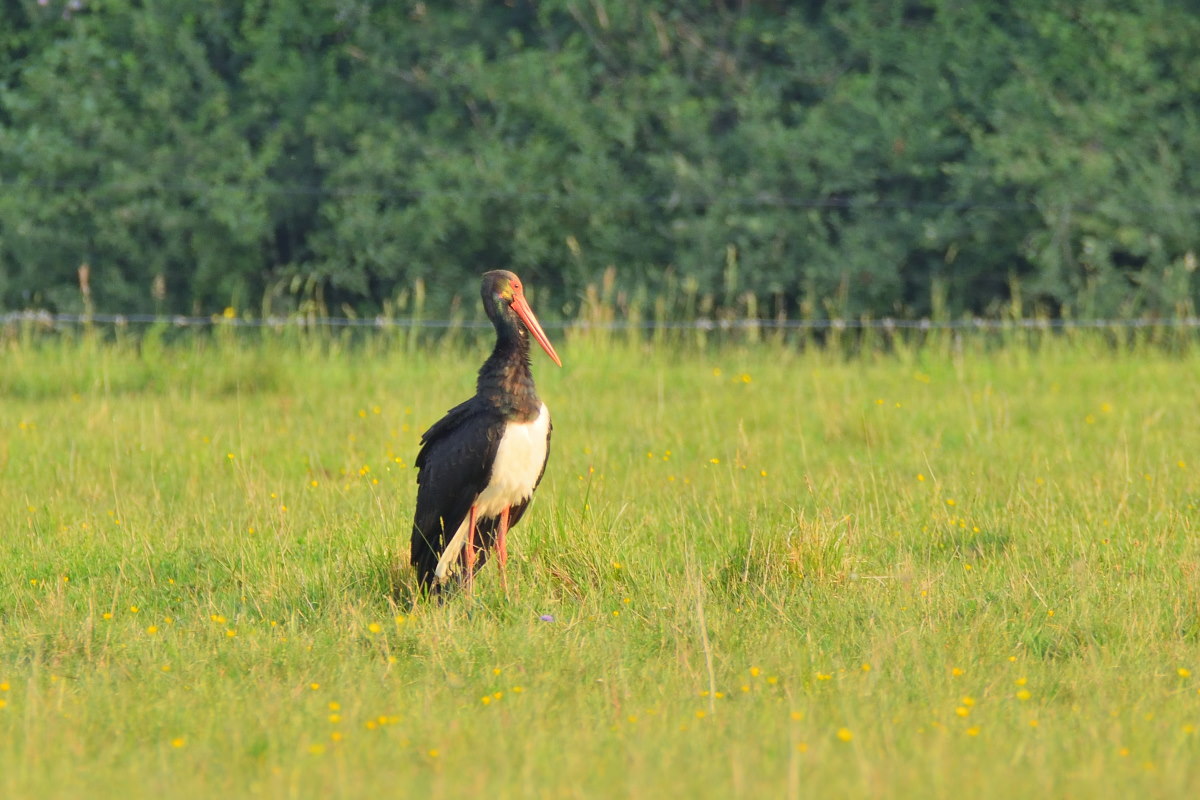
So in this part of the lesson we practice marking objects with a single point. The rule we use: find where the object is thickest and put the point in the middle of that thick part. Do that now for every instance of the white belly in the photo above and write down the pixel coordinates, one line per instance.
(519, 461)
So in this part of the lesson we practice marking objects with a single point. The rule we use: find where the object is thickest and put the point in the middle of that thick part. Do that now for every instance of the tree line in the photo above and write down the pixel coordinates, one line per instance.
(892, 158)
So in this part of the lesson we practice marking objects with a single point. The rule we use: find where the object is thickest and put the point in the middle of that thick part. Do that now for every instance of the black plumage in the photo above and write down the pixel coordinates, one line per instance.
(458, 453)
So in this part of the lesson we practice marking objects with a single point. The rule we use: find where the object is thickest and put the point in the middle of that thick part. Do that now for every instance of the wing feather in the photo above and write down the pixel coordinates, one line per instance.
(453, 467)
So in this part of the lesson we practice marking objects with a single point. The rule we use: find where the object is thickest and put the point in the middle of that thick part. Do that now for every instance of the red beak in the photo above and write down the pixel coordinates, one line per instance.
(521, 306)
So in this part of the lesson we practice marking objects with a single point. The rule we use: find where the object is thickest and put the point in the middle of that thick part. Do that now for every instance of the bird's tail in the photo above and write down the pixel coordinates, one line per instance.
(450, 555)
(424, 557)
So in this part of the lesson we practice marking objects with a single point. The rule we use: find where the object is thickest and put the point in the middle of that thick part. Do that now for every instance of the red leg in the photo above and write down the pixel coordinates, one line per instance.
(502, 548)
(470, 549)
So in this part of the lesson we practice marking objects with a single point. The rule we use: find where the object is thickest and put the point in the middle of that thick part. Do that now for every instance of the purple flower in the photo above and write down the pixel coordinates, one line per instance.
(546, 618)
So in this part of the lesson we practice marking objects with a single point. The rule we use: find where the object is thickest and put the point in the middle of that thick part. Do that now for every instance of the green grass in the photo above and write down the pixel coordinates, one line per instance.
(202, 538)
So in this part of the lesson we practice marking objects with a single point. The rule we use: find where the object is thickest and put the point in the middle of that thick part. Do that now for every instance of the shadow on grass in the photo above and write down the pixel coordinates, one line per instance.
(811, 552)
(964, 544)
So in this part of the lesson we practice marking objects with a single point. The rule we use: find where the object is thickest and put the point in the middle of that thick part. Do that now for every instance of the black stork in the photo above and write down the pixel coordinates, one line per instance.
(479, 464)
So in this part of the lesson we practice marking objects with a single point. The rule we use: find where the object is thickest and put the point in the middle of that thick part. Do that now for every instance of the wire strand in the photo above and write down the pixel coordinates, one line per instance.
(47, 319)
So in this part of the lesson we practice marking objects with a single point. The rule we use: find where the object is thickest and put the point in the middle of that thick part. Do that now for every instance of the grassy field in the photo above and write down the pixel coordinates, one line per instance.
(750, 572)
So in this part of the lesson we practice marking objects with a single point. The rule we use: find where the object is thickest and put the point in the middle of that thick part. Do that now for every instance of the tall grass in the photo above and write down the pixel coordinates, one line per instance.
(959, 566)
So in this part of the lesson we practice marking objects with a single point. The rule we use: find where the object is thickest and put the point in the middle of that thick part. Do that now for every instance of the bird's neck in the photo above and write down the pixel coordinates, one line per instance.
(506, 379)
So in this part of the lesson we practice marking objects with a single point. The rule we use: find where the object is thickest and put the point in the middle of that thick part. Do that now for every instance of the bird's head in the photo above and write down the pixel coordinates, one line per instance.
(504, 300)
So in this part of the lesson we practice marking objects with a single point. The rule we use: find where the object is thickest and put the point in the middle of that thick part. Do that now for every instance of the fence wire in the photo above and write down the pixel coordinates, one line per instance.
(45, 319)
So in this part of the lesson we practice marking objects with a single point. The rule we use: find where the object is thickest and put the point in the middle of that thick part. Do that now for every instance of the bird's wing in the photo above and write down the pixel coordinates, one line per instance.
(486, 528)
(454, 418)
(452, 469)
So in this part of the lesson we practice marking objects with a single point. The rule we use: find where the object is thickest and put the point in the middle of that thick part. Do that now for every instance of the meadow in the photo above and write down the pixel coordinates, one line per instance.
(965, 568)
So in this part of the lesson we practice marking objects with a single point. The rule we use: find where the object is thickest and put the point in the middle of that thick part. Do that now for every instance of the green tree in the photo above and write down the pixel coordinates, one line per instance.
(854, 157)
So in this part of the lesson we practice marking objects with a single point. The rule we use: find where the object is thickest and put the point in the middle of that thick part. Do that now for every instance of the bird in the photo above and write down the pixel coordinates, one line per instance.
(478, 466)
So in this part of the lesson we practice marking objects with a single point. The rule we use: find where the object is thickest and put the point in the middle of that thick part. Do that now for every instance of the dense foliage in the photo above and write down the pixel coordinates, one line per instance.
(857, 157)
